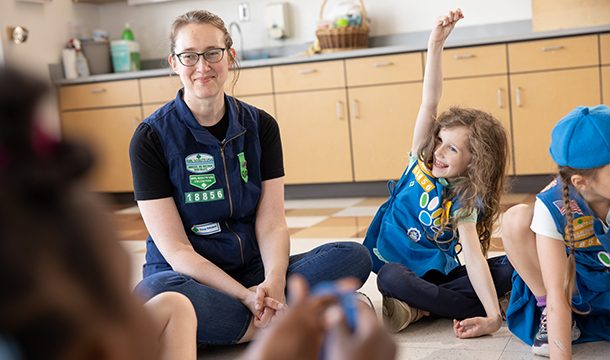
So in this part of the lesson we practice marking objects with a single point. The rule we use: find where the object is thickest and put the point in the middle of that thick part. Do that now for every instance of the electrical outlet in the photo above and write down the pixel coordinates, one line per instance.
(244, 12)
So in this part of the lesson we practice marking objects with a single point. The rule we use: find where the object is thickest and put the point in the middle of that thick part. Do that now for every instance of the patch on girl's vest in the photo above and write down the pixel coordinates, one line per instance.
(199, 163)
(422, 179)
(414, 234)
(604, 258)
(573, 207)
(584, 235)
(204, 196)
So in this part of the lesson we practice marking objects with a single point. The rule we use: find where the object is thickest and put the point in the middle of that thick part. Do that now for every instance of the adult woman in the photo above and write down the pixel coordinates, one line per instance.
(208, 177)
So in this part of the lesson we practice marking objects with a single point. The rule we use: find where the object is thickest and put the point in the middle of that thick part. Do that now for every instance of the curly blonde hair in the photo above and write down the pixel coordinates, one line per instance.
(483, 182)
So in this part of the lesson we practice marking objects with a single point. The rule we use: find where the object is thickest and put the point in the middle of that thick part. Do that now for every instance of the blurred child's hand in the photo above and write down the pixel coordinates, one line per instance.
(370, 340)
(444, 25)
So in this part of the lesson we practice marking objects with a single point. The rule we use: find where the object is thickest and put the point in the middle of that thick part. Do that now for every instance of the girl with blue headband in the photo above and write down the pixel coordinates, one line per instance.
(550, 308)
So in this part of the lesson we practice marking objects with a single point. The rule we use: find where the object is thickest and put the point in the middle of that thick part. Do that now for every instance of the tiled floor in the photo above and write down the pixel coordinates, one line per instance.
(318, 221)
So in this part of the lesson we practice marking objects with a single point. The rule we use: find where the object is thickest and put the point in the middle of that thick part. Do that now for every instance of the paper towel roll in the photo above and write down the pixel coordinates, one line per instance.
(68, 58)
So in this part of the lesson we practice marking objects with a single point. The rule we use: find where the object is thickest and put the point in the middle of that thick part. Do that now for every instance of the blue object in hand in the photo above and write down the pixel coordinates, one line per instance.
(347, 300)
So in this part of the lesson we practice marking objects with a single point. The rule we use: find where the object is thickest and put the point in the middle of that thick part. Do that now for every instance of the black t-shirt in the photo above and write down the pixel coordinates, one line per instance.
(150, 170)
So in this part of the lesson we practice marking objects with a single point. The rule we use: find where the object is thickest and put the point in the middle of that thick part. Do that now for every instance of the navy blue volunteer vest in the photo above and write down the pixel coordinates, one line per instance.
(404, 227)
(217, 184)
(592, 273)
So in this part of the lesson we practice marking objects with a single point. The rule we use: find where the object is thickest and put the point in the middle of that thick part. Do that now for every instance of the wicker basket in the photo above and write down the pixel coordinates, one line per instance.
(343, 38)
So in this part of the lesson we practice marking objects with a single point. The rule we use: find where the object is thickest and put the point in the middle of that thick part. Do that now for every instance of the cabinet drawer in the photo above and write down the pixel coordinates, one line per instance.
(553, 54)
(255, 81)
(310, 76)
(473, 61)
(114, 93)
(604, 41)
(384, 69)
(159, 89)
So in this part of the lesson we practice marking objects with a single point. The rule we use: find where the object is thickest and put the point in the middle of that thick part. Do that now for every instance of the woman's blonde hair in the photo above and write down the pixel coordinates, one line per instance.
(565, 175)
(205, 17)
(483, 182)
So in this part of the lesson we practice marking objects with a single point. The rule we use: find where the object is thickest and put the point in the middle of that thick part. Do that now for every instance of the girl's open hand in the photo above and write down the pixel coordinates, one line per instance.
(476, 326)
(444, 25)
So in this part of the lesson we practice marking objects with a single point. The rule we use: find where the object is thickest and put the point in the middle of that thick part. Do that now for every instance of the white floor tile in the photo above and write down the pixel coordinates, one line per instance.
(410, 353)
(304, 221)
(338, 203)
(358, 211)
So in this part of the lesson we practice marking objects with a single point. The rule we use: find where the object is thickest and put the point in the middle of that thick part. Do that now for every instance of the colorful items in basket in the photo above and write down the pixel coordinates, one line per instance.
(344, 27)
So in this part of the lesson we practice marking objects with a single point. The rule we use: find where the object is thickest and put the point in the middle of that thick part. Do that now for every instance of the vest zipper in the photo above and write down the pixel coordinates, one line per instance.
(241, 246)
(224, 164)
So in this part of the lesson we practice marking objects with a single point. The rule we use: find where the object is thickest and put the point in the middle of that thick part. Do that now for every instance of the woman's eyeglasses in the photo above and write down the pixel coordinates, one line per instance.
(191, 58)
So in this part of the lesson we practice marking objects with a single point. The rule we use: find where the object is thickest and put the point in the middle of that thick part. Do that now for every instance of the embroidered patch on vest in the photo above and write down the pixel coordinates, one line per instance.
(422, 179)
(414, 234)
(202, 182)
(203, 196)
(199, 163)
(584, 236)
(604, 258)
(243, 166)
(206, 229)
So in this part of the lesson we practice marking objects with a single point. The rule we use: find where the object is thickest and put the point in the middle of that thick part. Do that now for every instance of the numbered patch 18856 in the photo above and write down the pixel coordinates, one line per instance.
(204, 196)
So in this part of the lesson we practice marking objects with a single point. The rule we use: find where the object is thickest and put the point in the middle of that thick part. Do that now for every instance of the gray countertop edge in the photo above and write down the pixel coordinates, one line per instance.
(383, 45)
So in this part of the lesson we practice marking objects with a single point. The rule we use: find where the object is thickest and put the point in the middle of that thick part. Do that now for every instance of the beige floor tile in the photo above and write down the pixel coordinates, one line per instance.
(304, 221)
(328, 232)
(312, 212)
(410, 353)
(438, 334)
(373, 201)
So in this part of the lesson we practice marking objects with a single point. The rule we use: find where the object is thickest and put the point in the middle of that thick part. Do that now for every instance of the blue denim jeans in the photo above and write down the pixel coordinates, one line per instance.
(222, 319)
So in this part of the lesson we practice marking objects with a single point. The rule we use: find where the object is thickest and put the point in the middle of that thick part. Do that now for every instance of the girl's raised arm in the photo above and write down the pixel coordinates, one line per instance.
(433, 77)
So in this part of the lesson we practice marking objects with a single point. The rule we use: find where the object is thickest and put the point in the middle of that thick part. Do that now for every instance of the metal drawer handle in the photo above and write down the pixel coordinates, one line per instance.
(464, 56)
(518, 96)
(307, 71)
(552, 48)
(339, 110)
(355, 109)
(383, 64)
(98, 91)
(500, 102)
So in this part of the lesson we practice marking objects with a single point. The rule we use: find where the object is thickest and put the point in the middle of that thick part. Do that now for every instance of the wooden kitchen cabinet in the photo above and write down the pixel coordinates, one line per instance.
(604, 48)
(606, 85)
(561, 53)
(102, 94)
(382, 120)
(486, 93)
(315, 136)
(538, 101)
(309, 76)
(108, 132)
(542, 95)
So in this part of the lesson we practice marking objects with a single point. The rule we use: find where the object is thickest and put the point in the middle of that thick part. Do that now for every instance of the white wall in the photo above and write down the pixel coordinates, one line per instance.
(151, 22)
(49, 27)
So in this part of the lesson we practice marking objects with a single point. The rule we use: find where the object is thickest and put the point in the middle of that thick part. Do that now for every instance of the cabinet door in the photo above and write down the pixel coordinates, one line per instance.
(159, 89)
(263, 102)
(108, 132)
(102, 94)
(489, 93)
(382, 120)
(538, 101)
(606, 85)
(250, 82)
(315, 136)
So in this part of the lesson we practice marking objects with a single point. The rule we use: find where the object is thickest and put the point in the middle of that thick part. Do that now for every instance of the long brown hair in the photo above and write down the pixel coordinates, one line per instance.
(483, 182)
(565, 174)
(205, 17)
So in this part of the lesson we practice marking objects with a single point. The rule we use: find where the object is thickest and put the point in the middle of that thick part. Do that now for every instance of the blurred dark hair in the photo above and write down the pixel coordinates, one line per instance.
(54, 266)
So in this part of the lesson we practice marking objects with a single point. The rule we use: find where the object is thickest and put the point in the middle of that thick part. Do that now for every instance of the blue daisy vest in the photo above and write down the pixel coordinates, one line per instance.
(404, 227)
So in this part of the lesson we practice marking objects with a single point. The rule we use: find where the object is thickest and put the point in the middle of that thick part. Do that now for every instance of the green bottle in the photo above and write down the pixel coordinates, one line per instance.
(127, 33)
